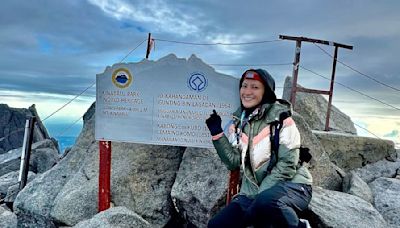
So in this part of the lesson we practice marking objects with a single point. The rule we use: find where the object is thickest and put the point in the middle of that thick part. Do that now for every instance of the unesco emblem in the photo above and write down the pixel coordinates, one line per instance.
(197, 82)
(122, 78)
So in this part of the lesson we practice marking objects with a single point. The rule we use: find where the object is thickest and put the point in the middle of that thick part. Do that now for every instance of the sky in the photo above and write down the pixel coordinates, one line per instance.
(50, 51)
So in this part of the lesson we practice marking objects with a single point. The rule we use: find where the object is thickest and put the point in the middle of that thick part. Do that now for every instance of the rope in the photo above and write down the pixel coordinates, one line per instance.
(357, 71)
(218, 43)
(351, 89)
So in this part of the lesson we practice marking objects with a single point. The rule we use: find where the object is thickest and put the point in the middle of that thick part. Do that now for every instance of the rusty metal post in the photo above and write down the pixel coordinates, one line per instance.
(104, 175)
(296, 68)
(26, 152)
(296, 64)
(328, 114)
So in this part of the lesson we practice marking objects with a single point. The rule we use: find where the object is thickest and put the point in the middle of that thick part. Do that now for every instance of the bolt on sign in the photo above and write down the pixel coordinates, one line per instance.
(164, 102)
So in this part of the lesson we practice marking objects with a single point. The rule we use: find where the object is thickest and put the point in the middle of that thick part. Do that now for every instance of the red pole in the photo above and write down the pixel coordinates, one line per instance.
(104, 175)
(328, 113)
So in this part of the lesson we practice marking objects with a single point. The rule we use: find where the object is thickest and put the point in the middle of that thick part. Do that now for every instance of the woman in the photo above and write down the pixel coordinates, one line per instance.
(274, 185)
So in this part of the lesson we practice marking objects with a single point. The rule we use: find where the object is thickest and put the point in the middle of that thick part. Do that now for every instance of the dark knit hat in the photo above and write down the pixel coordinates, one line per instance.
(267, 80)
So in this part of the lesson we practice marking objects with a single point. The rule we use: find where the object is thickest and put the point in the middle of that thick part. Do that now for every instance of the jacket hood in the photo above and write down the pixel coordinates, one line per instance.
(269, 84)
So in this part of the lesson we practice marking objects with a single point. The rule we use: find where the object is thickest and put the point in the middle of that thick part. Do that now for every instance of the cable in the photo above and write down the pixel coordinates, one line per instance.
(340, 115)
(365, 129)
(357, 71)
(351, 88)
(67, 128)
(87, 87)
(247, 65)
(12, 194)
(63, 106)
(132, 51)
(218, 43)
(68, 102)
(11, 133)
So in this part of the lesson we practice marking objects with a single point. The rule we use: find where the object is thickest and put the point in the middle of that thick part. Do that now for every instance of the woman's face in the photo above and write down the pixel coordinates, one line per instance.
(251, 93)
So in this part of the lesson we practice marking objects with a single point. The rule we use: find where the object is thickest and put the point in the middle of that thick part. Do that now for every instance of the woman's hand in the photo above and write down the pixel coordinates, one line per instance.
(214, 123)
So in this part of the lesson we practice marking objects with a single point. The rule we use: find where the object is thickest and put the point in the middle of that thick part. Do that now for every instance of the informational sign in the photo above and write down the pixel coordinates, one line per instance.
(164, 102)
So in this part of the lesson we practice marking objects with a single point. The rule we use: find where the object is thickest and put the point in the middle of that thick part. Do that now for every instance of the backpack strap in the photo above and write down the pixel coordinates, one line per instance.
(275, 128)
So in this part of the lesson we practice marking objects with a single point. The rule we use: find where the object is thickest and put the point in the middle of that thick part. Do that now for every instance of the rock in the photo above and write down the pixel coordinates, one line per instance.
(34, 203)
(387, 199)
(44, 155)
(27, 220)
(114, 217)
(355, 151)
(313, 108)
(141, 180)
(77, 200)
(7, 219)
(337, 209)
(325, 173)
(354, 185)
(378, 169)
(12, 125)
(200, 187)
(11, 179)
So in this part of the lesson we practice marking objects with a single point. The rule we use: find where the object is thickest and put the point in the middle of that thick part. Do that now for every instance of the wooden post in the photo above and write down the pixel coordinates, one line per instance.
(296, 64)
(104, 175)
(148, 46)
(26, 152)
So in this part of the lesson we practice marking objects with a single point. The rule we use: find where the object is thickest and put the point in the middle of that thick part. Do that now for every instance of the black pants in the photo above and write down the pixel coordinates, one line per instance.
(274, 207)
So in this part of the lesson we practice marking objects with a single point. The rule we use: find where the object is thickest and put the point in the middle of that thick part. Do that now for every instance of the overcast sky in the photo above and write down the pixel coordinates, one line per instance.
(50, 51)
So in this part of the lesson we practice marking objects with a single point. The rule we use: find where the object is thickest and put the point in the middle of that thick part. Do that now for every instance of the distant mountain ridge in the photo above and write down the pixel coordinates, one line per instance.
(12, 125)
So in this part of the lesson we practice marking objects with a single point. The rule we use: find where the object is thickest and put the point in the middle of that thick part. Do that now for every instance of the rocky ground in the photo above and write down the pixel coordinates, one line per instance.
(356, 182)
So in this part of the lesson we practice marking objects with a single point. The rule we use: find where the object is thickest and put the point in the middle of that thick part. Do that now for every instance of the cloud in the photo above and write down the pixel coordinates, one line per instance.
(164, 17)
(393, 134)
(57, 47)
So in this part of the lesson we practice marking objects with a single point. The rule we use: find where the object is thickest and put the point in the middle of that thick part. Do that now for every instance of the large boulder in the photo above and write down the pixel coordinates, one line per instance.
(7, 218)
(141, 180)
(114, 217)
(355, 151)
(313, 108)
(387, 199)
(44, 155)
(11, 179)
(383, 168)
(324, 172)
(200, 186)
(337, 209)
(12, 125)
(354, 185)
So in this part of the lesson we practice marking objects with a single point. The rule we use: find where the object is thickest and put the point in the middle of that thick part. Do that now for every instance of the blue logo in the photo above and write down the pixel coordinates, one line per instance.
(197, 82)
(122, 78)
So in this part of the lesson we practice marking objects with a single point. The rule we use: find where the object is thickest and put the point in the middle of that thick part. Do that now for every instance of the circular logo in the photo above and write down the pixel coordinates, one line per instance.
(122, 78)
(197, 82)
